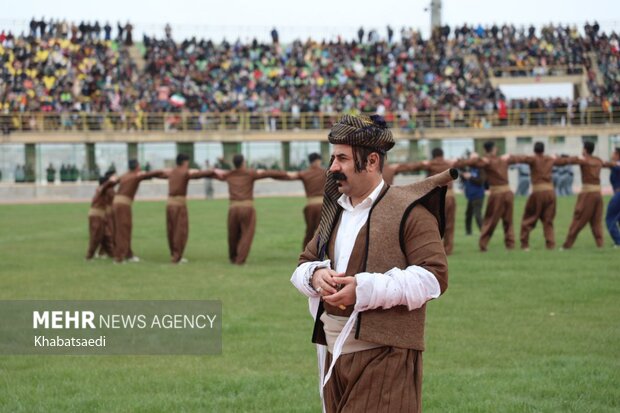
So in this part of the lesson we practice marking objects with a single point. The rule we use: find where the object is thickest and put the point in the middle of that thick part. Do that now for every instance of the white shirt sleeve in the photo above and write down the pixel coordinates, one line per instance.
(303, 273)
(412, 287)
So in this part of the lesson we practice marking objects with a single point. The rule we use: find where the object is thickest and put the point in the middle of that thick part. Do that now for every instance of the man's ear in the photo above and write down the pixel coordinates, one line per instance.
(373, 162)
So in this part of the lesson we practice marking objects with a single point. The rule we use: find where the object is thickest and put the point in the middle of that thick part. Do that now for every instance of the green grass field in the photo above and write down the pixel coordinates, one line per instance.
(515, 332)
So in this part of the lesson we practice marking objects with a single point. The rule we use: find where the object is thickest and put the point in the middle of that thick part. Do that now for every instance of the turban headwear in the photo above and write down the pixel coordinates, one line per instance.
(365, 131)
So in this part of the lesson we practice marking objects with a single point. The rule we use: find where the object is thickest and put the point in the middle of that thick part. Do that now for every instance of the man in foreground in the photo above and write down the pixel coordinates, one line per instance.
(369, 270)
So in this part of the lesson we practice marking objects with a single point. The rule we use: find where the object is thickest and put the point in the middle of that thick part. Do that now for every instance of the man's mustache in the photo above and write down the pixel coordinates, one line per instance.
(339, 176)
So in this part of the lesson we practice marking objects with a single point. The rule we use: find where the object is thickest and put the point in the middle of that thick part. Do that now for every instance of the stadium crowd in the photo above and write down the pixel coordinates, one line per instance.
(69, 68)
(63, 74)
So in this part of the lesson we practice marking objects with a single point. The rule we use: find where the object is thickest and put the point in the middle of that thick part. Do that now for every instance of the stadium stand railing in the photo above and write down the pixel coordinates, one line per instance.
(533, 71)
(271, 122)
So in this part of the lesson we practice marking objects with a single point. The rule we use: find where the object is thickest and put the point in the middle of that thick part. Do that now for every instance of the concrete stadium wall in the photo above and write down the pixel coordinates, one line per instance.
(158, 189)
(149, 190)
(608, 136)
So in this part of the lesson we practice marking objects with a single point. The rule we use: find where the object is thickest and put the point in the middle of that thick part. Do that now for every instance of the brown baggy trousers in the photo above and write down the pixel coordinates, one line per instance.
(312, 214)
(122, 232)
(589, 209)
(539, 206)
(380, 380)
(177, 225)
(448, 237)
(241, 227)
(96, 229)
(107, 245)
(499, 206)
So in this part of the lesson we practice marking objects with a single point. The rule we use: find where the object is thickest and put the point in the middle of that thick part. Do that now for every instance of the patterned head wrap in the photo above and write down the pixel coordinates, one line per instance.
(366, 131)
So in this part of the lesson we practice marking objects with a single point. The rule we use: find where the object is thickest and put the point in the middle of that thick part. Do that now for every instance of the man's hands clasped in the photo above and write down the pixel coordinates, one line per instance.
(334, 287)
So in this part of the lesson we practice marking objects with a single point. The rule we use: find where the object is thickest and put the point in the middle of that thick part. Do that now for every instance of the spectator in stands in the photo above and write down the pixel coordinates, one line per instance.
(128, 34)
(274, 36)
(33, 27)
(121, 29)
(583, 108)
(97, 30)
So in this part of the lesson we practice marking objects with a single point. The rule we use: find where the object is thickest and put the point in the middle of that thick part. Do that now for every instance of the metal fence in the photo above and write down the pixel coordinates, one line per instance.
(272, 122)
(529, 71)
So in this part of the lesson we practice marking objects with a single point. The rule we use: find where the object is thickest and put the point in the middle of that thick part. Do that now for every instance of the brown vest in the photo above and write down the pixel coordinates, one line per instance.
(382, 240)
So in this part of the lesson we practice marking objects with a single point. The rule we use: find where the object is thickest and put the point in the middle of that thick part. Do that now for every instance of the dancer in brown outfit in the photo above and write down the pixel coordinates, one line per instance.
(369, 271)
(313, 179)
(541, 203)
(107, 246)
(128, 186)
(436, 166)
(241, 214)
(97, 220)
(391, 170)
(589, 206)
(501, 200)
(177, 221)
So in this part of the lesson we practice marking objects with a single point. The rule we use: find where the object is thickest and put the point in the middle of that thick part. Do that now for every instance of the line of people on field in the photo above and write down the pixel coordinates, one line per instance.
(110, 215)
(541, 204)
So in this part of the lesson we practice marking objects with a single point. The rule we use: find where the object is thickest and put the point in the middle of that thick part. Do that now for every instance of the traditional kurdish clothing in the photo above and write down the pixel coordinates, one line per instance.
(241, 213)
(177, 221)
(501, 199)
(541, 203)
(313, 179)
(97, 220)
(128, 186)
(391, 170)
(107, 247)
(433, 167)
(589, 206)
(391, 242)
(354, 387)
